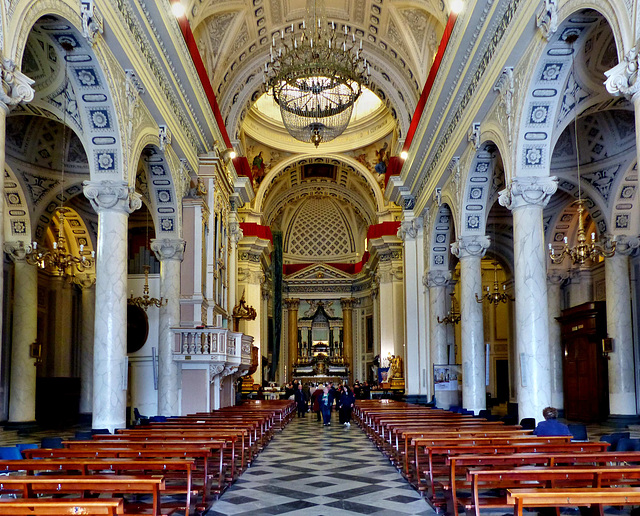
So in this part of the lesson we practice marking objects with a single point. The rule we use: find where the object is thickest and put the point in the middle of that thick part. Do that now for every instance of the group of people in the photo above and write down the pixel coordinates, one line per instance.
(323, 398)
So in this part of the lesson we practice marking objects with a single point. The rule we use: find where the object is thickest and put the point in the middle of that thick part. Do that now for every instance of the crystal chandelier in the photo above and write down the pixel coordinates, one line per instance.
(582, 251)
(495, 296)
(59, 259)
(315, 75)
(453, 317)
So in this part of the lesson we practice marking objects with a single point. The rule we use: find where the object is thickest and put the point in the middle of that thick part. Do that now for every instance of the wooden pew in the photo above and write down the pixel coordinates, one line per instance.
(547, 477)
(177, 473)
(61, 506)
(562, 497)
(31, 486)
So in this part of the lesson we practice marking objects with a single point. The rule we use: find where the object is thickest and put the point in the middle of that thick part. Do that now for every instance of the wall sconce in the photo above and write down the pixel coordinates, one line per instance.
(228, 154)
(35, 351)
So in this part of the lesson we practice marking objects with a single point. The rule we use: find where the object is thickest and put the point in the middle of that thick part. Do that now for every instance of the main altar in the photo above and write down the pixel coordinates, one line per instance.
(320, 356)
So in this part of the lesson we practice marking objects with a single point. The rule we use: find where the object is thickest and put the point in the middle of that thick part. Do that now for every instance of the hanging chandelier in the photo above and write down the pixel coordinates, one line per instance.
(59, 259)
(495, 296)
(582, 251)
(146, 300)
(453, 317)
(315, 75)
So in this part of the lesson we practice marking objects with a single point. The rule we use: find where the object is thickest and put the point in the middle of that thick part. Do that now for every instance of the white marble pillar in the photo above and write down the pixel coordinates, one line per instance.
(622, 395)
(86, 349)
(22, 386)
(416, 352)
(555, 279)
(437, 281)
(15, 88)
(170, 252)
(470, 250)
(113, 201)
(526, 197)
(235, 235)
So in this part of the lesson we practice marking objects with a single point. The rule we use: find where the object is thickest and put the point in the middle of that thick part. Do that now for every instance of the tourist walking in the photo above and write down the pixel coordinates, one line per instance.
(315, 401)
(325, 406)
(301, 401)
(347, 400)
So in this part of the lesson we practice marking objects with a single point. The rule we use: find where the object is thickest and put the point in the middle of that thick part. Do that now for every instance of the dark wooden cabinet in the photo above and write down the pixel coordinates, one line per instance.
(586, 383)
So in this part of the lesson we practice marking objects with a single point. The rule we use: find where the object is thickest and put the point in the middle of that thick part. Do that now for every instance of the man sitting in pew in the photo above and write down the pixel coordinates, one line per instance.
(551, 425)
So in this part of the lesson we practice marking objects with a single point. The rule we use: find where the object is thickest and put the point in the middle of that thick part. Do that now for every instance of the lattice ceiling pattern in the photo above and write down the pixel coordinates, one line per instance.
(319, 231)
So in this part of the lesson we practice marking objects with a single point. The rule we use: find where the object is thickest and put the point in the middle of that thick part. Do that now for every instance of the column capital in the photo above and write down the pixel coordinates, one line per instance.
(625, 245)
(557, 277)
(235, 232)
(112, 195)
(16, 87)
(16, 250)
(526, 191)
(347, 303)
(409, 229)
(168, 248)
(437, 278)
(470, 246)
(622, 79)
(291, 304)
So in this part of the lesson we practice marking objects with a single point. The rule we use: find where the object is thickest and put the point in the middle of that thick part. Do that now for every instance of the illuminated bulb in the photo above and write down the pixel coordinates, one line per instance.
(566, 240)
(457, 6)
(404, 154)
(178, 9)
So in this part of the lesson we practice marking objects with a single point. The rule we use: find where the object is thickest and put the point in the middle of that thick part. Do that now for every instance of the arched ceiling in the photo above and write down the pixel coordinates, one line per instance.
(400, 39)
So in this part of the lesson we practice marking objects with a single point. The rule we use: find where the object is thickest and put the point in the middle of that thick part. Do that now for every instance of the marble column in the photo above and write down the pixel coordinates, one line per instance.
(437, 281)
(22, 385)
(581, 286)
(86, 349)
(15, 88)
(347, 334)
(526, 197)
(470, 250)
(292, 324)
(113, 201)
(622, 394)
(170, 253)
(555, 279)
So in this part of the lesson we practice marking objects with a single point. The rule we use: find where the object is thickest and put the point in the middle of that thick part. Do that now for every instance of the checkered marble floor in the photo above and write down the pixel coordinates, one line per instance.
(312, 470)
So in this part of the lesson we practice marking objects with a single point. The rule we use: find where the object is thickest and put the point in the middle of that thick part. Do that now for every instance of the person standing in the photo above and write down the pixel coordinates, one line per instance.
(347, 401)
(325, 406)
(315, 401)
(301, 401)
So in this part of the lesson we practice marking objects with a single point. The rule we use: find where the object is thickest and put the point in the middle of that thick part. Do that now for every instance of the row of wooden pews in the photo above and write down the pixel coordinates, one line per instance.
(179, 466)
(464, 464)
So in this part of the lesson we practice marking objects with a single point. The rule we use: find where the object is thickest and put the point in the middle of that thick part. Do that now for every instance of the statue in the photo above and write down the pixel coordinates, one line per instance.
(395, 368)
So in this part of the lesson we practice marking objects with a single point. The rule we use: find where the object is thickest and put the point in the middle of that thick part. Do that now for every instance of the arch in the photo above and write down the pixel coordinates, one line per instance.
(442, 231)
(162, 193)
(480, 188)
(552, 90)
(273, 175)
(90, 101)
(17, 219)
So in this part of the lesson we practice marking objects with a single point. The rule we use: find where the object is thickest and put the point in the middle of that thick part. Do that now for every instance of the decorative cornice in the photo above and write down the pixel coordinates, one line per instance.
(526, 191)
(168, 248)
(470, 246)
(112, 195)
(622, 79)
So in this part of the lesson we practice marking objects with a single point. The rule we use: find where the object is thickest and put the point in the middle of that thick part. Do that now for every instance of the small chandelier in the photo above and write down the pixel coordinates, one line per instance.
(146, 300)
(495, 296)
(582, 251)
(315, 76)
(63, 263)
(453, 317)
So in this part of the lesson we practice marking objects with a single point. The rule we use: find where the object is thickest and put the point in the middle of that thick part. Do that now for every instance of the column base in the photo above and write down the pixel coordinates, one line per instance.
(20, 425)
(622, 421)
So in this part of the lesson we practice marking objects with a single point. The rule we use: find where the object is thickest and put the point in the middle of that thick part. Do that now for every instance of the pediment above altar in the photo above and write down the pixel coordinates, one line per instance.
(320, 272)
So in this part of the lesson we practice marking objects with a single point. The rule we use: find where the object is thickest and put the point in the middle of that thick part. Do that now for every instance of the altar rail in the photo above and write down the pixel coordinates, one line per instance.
(212, 344)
